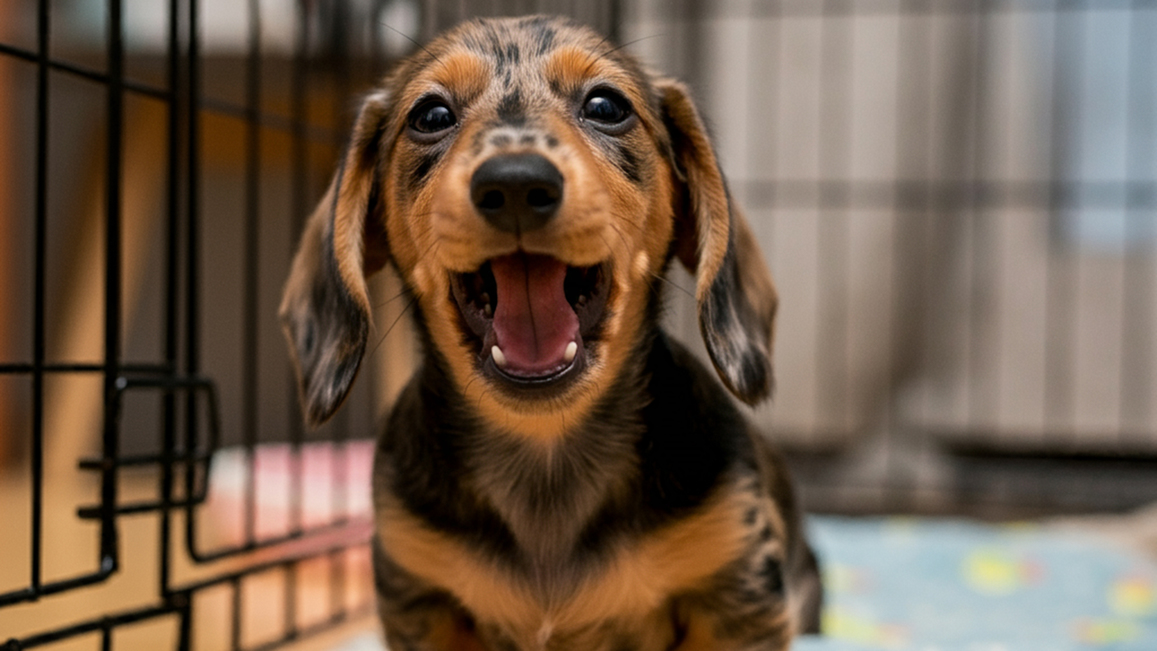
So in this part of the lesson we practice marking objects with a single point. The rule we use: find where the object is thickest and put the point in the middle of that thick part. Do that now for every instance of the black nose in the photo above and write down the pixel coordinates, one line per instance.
(517, 193)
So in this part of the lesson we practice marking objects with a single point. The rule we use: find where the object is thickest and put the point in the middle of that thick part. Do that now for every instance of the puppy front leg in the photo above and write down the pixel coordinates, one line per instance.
(744, 610)
(711, 630)
(416, 615)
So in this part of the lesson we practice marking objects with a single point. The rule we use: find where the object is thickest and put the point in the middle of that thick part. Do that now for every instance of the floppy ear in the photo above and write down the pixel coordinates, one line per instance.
(325, 307)
(733, 288)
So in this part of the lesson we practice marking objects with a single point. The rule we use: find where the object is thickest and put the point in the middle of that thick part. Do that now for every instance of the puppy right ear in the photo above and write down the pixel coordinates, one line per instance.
(325, 307)
(736, 296)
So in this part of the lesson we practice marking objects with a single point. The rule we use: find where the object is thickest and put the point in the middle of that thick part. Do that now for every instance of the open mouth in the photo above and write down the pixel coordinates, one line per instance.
(533, 318)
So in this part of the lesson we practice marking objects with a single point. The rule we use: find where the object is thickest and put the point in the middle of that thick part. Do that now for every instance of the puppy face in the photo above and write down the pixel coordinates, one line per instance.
(530, 183)
(532, 204)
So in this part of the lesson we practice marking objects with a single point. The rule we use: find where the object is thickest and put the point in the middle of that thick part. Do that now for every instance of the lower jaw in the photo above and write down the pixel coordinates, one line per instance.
(537, 387)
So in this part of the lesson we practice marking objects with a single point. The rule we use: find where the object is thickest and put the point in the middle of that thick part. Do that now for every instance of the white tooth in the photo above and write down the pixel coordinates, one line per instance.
(487, 310)
(496, 354)
(571, 351)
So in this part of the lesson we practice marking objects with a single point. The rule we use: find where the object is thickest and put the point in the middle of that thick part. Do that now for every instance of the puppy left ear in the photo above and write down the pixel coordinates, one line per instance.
(733, 288)
(325, 307)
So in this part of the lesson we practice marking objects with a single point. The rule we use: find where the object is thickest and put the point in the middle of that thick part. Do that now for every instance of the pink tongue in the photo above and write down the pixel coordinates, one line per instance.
(533, 322)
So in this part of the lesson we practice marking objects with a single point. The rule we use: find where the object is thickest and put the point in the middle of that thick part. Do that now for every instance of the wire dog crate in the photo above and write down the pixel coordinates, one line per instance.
(958, 201)
(85, 379)
(157, 162)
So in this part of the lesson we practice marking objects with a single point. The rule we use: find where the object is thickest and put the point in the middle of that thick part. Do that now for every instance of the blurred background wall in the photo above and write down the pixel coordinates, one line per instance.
(958, 202)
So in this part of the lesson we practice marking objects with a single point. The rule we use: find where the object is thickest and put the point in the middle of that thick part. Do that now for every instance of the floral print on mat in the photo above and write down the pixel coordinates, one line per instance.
(927, 585)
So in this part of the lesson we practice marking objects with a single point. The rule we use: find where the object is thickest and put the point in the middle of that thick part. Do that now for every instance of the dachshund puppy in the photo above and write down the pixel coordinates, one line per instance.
(559, 474)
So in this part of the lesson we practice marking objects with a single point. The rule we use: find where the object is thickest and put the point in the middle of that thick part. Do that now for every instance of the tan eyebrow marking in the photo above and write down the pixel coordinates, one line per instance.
(465, 74)
(568, 67)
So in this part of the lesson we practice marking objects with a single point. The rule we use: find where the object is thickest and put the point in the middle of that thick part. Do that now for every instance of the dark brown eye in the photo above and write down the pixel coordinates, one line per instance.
(432, 117)
(606, 107)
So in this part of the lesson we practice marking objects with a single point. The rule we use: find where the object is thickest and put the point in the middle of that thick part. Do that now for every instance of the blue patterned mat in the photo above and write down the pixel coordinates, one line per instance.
(927, 585)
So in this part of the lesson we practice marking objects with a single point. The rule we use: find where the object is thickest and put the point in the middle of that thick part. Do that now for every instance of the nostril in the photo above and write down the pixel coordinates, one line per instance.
(541, 198)
(492, 200)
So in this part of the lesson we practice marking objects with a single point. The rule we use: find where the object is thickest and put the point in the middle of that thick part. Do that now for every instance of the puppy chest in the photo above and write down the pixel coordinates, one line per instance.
(654, 632)
(624, 597)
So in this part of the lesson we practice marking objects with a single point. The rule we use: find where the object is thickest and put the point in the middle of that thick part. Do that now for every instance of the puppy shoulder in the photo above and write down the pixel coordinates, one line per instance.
(695, 438)
(684, 393)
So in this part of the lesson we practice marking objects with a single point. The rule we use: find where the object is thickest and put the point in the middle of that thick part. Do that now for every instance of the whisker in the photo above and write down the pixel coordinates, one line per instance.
(466, 389)
(628, 44)
(592, 58)
(390, 300)
(409, 306)
(607, 244)
(481, 395)
(622, 238)
(661, 277)
(433, 252)
(637, 227)
(675, 285)
(410, 39)
(401, 314)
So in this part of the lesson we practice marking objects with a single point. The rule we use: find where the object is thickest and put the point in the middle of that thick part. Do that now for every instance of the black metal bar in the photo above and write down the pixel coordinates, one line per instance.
(55, 587)
(236, 619)
(107, 622)
(40, 288)
(111, 622)
(268, 120)
(141, 460)
(982, 451)
(85, 73)
(112, 320)
(172, 289)
(289, 601)
(184, 604)
(195, 460)
(162, 506)
(274, 121)
(69, 368)
(221, 106)
(358, 534)
(192, 262)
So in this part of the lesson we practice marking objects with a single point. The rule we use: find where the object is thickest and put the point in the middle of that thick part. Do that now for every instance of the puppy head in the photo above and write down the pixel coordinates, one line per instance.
(530, 183)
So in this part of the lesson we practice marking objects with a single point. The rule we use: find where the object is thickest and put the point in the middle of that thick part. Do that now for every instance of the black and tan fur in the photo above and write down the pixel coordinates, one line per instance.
(628, 506)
